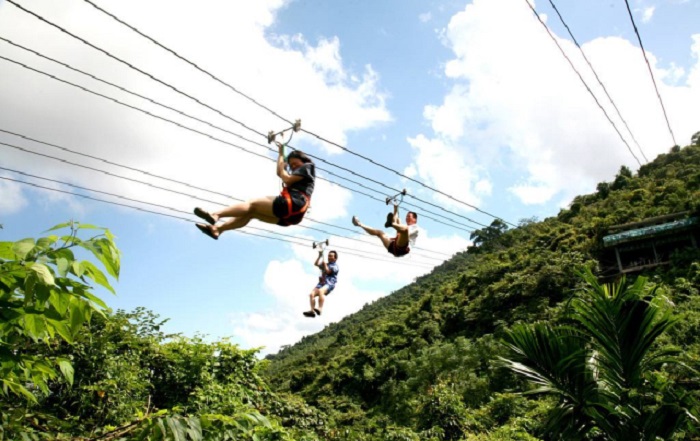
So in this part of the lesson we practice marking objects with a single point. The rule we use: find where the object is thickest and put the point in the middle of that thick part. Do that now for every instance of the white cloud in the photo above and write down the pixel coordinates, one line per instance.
(694, 74)
(515, 102)
(441, 164)
(425, 17)
(297, 79)
(361, 280)
(647, 14)
(11, 198)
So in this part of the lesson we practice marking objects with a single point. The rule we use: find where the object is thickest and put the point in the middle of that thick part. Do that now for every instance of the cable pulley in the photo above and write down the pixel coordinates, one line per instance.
(322, 244)
(271, 135)
(397, 198)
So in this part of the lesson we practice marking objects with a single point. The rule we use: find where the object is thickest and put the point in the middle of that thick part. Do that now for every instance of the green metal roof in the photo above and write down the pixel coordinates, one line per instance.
(651, 231)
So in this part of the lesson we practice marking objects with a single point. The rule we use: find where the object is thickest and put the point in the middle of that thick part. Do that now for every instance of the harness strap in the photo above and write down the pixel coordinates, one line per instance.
(290, 206)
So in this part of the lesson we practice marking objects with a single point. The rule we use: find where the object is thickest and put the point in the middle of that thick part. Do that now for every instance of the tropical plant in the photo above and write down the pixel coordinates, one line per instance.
(45, 298)
(604, 366)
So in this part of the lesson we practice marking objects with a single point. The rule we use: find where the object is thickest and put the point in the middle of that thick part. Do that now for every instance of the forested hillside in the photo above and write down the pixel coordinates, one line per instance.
(448, 357)
(423, 362)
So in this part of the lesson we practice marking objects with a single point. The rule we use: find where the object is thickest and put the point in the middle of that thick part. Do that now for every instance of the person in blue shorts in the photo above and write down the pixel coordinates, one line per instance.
(326, 282)
(286, 209)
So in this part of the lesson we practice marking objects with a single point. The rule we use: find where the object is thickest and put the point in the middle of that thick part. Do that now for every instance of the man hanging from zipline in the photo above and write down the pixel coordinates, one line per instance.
(286, 209)
(326, 282)
(406, 235)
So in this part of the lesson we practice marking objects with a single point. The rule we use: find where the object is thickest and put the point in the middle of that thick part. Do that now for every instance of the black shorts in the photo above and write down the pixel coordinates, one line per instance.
(396, 250)
(281, 210)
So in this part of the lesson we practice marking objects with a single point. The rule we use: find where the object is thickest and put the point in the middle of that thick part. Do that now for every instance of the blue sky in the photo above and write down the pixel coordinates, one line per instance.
(469, 97)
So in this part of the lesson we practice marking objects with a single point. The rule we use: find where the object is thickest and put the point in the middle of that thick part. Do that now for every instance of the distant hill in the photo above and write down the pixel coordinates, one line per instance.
(398, 368)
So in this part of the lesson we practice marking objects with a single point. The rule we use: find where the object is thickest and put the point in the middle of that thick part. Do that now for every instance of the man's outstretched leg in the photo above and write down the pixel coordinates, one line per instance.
(372, 231)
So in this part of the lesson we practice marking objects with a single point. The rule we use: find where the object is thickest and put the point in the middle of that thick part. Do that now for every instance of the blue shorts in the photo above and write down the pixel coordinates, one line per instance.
(330, 287)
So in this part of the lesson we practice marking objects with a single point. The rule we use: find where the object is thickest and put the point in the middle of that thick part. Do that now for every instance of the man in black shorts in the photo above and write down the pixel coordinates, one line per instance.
(406, 235)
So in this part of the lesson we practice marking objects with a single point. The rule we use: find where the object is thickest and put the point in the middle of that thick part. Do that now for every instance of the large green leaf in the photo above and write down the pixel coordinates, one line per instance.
(18, 389)
(88, 227)
(79, 314)
(35, 325)
(23, 247)
(66, 369)
(6, 251)
(45, 243)
(106, 253)
(43, 273)
(93, 298)
(95, 274)
(177, 428)
(65, 253)
(61, 328)
(62, 266)
(60, 226)
(78, 268)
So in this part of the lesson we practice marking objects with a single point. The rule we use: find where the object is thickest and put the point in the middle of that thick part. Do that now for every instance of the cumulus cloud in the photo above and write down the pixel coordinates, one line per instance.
(367, 273)
(12, 200)
(517, 103)
(294, 77)
(441, 164)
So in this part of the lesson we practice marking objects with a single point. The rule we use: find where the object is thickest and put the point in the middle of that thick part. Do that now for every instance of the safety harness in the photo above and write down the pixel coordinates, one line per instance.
(290, 206)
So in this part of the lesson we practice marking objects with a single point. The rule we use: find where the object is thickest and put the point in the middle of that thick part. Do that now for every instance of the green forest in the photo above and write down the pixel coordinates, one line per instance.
(529, 334)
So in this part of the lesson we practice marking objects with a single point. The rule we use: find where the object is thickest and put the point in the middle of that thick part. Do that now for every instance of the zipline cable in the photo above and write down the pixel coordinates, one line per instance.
(266, 108)
(213, 126)
(598, 79)
(131, 206)
(151, 76)
(204, 189)
(84, 89)
(423, 265)
(209, 74)
(549, 32)
(153, 175)
(152, 186)
(651, 74)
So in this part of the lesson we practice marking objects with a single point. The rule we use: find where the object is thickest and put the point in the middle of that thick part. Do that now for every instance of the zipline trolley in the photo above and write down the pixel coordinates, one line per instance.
(397, 198)
(271, 135)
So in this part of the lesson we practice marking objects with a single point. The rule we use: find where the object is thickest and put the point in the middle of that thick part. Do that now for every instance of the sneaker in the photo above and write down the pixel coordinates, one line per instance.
(355, 221)
(309, 314)
(389, 220)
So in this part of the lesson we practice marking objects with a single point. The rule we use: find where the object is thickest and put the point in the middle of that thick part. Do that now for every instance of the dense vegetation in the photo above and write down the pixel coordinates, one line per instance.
(445, 358)
(72, 369)
(424, 362)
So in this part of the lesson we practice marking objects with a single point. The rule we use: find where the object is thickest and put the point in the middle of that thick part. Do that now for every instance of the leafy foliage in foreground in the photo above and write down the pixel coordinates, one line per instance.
(45, 297)
(121, 377)
(604, 366)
